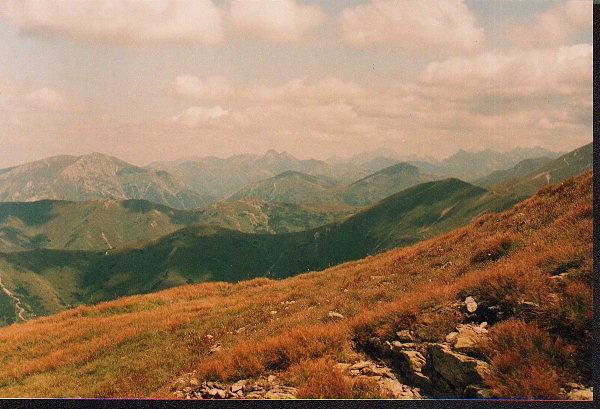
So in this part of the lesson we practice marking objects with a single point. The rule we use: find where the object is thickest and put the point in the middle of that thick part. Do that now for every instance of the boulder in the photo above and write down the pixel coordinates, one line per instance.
(238, 386)
(457, 369)
(469, 339)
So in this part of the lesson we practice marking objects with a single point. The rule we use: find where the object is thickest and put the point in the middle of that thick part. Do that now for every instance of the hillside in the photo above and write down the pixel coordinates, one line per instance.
(91, 177)
(287, 187)
(104, 224)
(223, 177)
(50, 280)
(499, 308)
(382, 183)
(520, 169)
(296, 187)
(471, 166)
(568, 165)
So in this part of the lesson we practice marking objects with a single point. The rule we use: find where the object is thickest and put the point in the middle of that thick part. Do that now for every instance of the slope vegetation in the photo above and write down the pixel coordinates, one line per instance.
(295, 187)
(568, 165)
(529, 270)
(49, 280)
(105, 224)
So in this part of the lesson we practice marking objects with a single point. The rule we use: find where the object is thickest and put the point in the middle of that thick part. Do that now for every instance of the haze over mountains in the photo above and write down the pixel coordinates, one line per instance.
(193, 182)
(93, 176)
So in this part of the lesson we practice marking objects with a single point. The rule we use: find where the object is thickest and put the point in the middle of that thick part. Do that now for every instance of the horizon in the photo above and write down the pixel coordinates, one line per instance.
(158, 80)
(393, 155)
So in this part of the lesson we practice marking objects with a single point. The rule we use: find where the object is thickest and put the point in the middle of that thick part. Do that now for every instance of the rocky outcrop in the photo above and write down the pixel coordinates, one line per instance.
(383, 376)
(189, 387)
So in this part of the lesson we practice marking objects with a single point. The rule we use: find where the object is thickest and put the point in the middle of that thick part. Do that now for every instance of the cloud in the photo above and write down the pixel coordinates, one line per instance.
(516, 72)
(444, 26)
(201, 117)
(120, 21)
(302, 90)
(556, 26)
(52, 100)
(211, 88)
(281, 21)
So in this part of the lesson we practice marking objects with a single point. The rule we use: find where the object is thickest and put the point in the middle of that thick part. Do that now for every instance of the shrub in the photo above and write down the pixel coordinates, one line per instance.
(526, 361)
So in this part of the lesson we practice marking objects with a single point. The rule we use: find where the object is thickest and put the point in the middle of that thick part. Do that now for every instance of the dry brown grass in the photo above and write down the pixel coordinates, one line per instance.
(136, 346)
(527, 362)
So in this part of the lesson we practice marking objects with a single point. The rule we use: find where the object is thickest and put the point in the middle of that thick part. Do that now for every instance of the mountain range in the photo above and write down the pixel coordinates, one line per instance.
(91, 177)
(175, 247)
(194, 182)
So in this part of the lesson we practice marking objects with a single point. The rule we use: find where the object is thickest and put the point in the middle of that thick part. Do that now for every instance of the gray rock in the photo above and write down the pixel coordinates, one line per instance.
(360, 365)
(469, 338)
(457, 369)
(451, 337)
(238, 386)
(416, 361)
(470, 304)
(404, 336)
(581, 394)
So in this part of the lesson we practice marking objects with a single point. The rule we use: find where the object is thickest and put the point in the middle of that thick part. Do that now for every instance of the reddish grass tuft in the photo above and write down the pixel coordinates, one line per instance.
(526, 361)
(319, 379)
(493, 248)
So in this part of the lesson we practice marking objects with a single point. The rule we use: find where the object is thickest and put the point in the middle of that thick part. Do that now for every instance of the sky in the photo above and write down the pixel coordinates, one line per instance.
(155, 80)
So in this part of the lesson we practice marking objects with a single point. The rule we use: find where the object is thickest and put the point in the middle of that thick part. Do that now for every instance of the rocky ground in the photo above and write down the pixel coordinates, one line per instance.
(404, 368)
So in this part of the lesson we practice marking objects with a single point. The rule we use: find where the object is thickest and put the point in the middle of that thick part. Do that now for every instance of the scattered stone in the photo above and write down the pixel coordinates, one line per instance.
(215, 348)
(404, 336)
(194, 382)
(333, 314)
(451, 337)
(238, 386)
(360, 365)
(416, 361)
(403, 345)
(469, 338)
(581, 394)
(470, 304)
(209, 336)
(273, 312)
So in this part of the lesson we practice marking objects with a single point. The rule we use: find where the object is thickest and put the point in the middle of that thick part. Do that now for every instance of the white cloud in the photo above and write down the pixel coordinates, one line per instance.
(201, 117)
(120, 21)
(282, 21)
(211, 88)
(302, 90)
(444, 26)
(50, 99)
(556, 26)
(516, 72)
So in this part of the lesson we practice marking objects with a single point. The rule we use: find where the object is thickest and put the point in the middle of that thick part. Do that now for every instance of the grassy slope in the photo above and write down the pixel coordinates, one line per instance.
(296, 187)
(137, 346)
(569, 165)
(205, 252)
(85, 225)
(520, 169)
